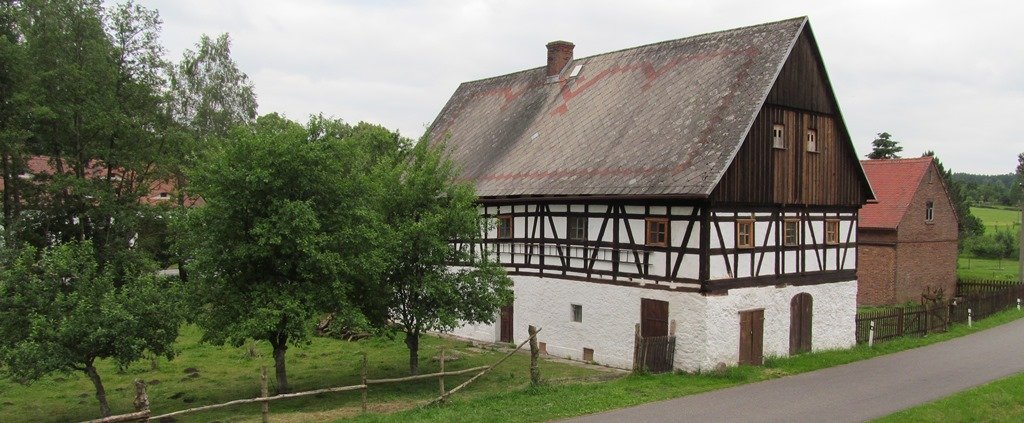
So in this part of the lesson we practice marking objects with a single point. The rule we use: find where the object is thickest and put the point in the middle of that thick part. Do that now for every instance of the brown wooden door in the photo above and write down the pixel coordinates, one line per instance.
(800, 319)
(653, 318)
(505, 330)
(752, 337)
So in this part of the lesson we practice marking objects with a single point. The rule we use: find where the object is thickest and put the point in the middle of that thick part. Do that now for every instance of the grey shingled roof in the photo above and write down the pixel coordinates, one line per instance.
(664, 118)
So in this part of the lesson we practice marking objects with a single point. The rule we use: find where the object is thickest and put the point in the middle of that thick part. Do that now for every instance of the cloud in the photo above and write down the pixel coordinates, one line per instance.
(942, 76)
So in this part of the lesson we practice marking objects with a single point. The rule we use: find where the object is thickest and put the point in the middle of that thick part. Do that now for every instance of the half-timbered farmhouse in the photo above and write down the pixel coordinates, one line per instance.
(704, 188)
(908, 238)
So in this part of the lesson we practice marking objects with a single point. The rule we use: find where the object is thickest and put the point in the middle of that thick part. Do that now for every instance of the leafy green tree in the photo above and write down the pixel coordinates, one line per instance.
(426, 211)
(15, 116)
(60, 313)
(884, 147)
(209, 95)
(282, 235)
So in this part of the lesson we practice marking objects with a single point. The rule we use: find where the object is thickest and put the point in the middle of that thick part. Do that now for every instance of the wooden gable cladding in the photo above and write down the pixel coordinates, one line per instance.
(762, 174)
(802, 83)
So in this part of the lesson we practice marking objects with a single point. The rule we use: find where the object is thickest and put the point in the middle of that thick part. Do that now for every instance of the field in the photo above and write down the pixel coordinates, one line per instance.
(1001, 219)
(969, 267)
(998, 401)
(228, 373)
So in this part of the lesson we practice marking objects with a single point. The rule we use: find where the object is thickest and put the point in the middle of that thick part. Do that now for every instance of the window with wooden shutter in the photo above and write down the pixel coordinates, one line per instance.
(812, 140)
(778, 136)
(745, 233)
(657, 232)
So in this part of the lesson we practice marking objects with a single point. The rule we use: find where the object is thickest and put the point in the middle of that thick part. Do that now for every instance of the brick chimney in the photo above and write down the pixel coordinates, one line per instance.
(559, 54)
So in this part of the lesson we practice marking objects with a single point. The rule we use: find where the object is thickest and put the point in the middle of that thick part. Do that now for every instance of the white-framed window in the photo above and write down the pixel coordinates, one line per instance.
(812, 140)
(577, 313)
(929, 211)
(779, 136)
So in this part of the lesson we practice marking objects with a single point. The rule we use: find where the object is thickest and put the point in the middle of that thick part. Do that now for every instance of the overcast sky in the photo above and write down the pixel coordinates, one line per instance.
(945, 76)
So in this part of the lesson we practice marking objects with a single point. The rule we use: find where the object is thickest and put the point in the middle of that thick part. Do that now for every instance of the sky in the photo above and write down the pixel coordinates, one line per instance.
(946, 76)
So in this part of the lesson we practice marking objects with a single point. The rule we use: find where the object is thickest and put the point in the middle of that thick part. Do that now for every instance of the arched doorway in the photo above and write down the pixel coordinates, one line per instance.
(800, 318)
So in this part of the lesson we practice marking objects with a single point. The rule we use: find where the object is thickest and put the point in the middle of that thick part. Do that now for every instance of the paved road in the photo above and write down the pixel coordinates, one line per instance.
(852, 392)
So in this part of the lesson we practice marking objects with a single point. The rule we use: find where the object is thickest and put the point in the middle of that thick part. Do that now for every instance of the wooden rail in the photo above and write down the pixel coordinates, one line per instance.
(142, 412)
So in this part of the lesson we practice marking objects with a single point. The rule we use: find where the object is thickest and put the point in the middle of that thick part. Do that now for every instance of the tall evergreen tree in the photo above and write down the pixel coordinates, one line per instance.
(884, 147)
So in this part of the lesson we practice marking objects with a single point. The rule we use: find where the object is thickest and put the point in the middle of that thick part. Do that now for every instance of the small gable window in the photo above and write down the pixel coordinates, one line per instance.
(812, 140)
(504, 227)
(657, 232)
(576, 229)
(791, 232)
(929, 211)
(831, 232)
(778, 137)
(745, 233)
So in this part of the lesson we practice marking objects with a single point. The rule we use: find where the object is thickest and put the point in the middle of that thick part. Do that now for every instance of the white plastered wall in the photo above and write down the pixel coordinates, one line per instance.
(834, 313)
(707, 328)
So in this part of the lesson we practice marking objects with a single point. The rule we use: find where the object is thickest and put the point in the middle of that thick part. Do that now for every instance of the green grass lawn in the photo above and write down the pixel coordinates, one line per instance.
(228, 373)
(998, 401)
(997, 218)
(554, 402)
(969, 268)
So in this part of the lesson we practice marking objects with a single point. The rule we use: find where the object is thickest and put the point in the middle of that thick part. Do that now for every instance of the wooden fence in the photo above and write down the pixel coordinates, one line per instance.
(142, 405)
(977, 298)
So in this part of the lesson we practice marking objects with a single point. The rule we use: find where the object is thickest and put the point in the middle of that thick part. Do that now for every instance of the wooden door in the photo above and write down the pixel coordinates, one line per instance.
(800, 318)
(752, 337)
(653, 318)
(505, 329)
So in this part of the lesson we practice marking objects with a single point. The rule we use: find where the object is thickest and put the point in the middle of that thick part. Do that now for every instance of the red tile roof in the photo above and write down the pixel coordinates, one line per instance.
(159, 191)
(895, 182)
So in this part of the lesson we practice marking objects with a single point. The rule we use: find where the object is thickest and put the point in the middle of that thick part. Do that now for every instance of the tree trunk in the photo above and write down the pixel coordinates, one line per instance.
(280, 344)
(101, 394)
(412, 340)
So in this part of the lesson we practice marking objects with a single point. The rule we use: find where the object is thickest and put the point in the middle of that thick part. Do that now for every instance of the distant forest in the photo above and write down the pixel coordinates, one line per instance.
(988, 190)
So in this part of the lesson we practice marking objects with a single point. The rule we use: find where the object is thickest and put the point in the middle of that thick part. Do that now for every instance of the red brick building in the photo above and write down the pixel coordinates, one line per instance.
(908, 238)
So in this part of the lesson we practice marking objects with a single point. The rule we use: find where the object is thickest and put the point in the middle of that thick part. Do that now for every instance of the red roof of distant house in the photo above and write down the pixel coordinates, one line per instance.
(159, 191)
(895, 181)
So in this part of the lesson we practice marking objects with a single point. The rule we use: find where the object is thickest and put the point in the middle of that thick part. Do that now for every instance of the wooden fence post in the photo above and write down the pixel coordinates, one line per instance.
(264, 392)
(636, 349)
(141, 398)
(440, 377)
(363, 381)
(534, 356)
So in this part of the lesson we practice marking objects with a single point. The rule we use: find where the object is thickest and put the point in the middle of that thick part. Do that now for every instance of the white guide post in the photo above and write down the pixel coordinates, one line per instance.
(970, 318)
(871, 334)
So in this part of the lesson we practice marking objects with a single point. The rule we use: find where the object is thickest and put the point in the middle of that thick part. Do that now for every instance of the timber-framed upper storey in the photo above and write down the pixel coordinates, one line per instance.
(704, 164)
